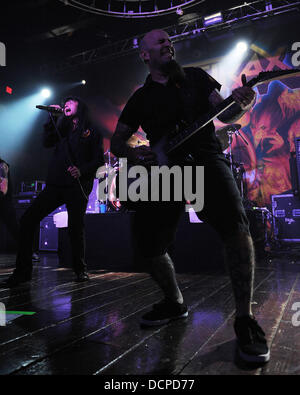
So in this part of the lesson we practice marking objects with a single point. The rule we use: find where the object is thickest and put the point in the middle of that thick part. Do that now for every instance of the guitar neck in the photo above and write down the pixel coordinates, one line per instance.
(219, 109)
(263, 77)
(198, 125)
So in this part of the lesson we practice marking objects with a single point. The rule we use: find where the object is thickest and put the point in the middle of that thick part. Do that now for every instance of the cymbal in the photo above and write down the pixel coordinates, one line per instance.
(223, 136)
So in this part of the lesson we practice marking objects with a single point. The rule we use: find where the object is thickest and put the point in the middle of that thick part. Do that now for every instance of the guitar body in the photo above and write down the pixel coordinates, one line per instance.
(160, 151)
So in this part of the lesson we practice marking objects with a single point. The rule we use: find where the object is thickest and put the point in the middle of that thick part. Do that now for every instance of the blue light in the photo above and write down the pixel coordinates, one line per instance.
(17, 119)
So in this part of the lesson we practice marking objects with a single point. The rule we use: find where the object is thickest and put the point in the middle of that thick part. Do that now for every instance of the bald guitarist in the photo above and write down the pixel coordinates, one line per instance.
(172, 96)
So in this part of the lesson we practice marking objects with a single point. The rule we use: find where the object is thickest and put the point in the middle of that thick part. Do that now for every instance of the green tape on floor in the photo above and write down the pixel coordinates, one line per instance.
(18, 312)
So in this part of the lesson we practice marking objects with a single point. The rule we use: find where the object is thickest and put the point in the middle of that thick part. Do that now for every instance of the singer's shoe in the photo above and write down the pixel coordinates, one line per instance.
(17, 279)
(35, 257)
(81, 277)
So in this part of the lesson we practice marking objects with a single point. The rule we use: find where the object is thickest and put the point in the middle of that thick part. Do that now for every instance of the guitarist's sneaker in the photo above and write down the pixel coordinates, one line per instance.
(164, 312)
(17, 279)
(252, 344)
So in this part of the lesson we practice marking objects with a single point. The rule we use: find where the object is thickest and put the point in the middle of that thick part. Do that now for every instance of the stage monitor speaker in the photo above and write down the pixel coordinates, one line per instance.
(48, 235)
(286, 215)
(93, 204)
(294, 174)
(297, 148)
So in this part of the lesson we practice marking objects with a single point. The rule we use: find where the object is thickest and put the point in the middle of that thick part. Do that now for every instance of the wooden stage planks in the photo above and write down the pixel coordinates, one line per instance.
(93, 328)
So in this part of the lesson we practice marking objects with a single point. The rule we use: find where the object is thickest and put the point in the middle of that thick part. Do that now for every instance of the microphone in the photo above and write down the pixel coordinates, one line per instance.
(50, 109)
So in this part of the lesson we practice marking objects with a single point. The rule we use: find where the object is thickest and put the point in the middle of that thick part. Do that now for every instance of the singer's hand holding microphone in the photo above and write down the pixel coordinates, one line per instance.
(58, 109)
(55, 109)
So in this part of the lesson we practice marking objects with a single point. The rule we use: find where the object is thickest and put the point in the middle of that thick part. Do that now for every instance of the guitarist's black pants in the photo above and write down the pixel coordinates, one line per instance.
(47, 201)
(154, 225)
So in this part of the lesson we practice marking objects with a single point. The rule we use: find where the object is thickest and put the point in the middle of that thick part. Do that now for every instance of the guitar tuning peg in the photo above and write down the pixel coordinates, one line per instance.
(244, 79)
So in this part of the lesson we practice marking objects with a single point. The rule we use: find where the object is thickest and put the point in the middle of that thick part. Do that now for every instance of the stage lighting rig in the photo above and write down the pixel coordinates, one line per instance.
(133, 8)
(213, 19)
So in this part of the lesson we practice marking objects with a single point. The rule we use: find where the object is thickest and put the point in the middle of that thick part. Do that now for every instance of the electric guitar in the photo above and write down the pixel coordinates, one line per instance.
(169, 146)
(3, 178)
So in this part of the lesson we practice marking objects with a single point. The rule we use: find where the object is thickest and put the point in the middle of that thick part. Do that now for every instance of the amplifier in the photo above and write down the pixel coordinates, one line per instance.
(93, 203)
(59, 209)
(286, 216)
(294, 173)
(297, 148)
(32, 186)
(48, 235)
(24, 200)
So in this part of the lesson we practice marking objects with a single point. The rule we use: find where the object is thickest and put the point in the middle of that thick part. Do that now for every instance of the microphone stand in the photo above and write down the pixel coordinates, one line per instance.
(68, 154)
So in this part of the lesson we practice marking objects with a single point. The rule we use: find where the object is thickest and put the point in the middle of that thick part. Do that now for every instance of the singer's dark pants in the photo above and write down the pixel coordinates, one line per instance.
(48, 200)
(8, 216)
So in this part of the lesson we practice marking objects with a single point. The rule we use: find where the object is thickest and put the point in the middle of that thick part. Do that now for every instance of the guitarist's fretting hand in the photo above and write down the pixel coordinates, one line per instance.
(244, 97)
(142, 156)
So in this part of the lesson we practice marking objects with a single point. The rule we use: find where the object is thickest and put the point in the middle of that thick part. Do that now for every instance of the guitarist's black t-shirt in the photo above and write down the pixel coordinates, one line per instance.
(158, 108)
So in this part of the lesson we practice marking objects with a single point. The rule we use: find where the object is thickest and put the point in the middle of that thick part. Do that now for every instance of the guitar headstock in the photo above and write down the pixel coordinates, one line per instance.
(267, 76)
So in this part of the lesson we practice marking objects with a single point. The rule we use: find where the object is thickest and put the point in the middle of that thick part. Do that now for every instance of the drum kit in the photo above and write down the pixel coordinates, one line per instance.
(108, 174)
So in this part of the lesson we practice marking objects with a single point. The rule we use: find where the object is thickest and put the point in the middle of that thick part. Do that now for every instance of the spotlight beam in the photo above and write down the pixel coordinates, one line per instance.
(46, 93)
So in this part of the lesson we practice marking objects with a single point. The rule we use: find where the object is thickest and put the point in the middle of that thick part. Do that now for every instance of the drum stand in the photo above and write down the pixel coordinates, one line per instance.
(106, 175)
(235, 131)
(266, 216)
(109, 171)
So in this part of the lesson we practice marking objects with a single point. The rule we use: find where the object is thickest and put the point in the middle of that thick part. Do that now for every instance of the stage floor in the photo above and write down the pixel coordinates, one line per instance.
(93, 328)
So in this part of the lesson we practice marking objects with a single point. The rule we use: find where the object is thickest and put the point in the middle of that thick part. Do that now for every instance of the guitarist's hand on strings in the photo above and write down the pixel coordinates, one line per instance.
(244, 96)
(142, 156)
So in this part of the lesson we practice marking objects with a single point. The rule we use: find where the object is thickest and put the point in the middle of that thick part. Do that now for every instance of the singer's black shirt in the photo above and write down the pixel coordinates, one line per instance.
(82, 148)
